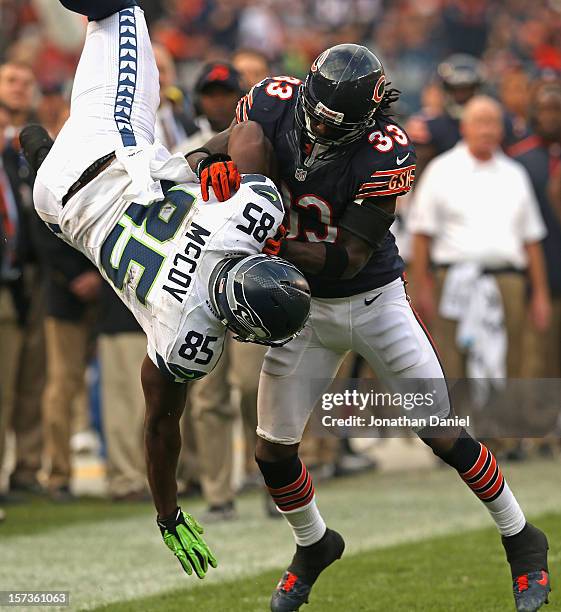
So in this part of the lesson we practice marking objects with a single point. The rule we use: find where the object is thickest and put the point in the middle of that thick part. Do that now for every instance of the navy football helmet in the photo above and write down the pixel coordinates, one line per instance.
(461, 76)
(343, 90)
(262, 299)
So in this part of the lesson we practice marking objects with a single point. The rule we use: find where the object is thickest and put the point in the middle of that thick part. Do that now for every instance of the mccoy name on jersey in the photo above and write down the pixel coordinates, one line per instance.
(160, 258)
(381, 163)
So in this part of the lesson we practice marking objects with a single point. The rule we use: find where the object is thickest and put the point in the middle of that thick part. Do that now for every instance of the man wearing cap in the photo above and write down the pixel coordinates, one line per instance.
(217, 92)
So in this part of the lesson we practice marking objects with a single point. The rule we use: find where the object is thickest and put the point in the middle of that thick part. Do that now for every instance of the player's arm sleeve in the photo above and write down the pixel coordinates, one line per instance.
(265, 103)
(384, 177)
(370, 219)
(267, 191)
(532, 225)
(171, 371)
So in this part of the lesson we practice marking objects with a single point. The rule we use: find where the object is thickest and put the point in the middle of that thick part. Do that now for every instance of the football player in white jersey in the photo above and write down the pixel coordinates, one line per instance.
(187, 269)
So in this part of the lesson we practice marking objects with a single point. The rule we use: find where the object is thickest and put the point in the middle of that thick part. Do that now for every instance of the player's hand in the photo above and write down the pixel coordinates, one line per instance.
(219, 172)
(182, 535)
(273, 245)
(86, 286)
(424, 301)
(540, 311)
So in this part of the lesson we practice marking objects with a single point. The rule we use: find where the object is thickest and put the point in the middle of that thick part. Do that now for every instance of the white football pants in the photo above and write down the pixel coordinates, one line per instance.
(114, 102)
(385, 332)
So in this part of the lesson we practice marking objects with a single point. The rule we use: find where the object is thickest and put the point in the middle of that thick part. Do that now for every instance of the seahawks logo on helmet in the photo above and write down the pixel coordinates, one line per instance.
(262, 299)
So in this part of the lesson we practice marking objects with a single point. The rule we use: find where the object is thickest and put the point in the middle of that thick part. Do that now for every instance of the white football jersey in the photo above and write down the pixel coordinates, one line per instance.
(159, 258)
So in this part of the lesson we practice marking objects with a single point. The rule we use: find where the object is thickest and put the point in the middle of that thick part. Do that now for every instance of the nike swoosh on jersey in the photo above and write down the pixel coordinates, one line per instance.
(367, 302)
(399, 161)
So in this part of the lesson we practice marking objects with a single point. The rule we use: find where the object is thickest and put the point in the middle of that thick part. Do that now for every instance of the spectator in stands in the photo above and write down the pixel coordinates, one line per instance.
(173, 125)
(52, 112)
(476, 206)
(217, 92)
(17, 91)
(122, 348)
(72, 288)
(27, 416)
(540, 154)
(461, 78)
(515, 88)
(252, 65)
(14, 243)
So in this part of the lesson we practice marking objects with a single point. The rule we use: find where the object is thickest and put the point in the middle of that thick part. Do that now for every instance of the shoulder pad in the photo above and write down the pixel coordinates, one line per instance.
(386, 161)
(267, 100)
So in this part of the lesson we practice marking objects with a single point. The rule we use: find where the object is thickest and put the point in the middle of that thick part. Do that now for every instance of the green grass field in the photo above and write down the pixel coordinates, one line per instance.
(417, 541)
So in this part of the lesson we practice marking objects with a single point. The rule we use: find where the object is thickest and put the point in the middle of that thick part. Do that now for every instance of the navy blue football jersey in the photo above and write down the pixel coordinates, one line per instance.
(381, 163)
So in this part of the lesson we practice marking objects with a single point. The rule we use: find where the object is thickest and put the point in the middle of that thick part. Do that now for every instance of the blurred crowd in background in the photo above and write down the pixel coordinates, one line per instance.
(66, 341)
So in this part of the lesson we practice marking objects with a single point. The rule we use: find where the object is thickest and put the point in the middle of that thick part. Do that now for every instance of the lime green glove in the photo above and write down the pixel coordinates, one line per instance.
(182, 535)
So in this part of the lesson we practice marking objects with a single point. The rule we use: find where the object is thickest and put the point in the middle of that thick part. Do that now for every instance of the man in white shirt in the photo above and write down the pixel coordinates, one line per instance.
(475, 205)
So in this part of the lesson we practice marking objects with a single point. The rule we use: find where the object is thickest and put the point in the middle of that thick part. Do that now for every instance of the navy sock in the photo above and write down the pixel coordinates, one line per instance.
(463, 454)
(98, 9)
(280, 473)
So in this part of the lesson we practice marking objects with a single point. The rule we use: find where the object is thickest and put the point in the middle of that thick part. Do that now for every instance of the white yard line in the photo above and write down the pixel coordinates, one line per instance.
(105, 561)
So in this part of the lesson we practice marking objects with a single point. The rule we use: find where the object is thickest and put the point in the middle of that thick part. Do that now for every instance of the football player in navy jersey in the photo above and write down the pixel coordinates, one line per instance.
(342, 161)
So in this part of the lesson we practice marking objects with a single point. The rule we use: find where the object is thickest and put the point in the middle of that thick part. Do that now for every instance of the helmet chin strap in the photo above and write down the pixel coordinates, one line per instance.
(317, 148)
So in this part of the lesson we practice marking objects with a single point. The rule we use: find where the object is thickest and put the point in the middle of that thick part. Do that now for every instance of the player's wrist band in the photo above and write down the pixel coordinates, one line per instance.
(199, 150)
(205, 162)
(336, 261)
(170, 520)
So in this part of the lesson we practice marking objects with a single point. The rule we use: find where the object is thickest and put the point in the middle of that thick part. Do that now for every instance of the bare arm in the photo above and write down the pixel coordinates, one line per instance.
(540, 304)
(217, 144)
(165, 401)
(422, 282)
(246, 144)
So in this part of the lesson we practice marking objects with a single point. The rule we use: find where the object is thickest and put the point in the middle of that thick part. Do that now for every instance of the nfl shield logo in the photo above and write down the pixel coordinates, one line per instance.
(300, 174)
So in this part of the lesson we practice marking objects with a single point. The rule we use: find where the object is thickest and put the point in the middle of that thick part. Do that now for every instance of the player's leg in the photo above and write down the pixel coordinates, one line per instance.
(391, 338)
(287, 390)
(115, 97)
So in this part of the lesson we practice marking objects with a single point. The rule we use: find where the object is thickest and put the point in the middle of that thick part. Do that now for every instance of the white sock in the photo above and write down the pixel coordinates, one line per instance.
(307, 523)
(506, 512)
(485, 479)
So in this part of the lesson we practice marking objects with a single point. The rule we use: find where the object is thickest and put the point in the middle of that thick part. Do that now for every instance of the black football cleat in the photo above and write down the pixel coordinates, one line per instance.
(35, 144)
(294, 588)
(531, 591)
(526, 553)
